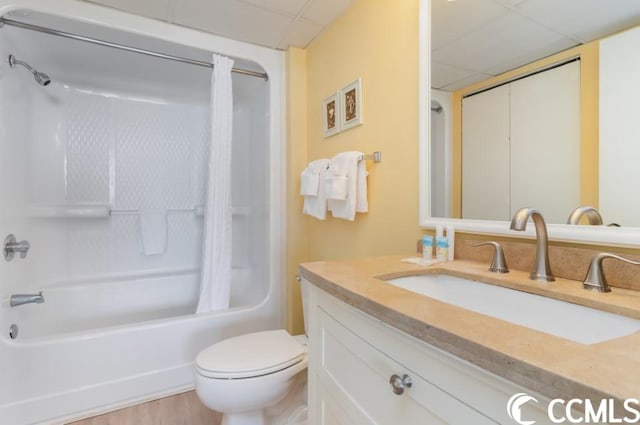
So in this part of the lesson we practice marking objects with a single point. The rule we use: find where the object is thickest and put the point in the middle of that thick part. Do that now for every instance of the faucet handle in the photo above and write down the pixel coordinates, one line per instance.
(595, 279)
(11, 246)
(498, 263)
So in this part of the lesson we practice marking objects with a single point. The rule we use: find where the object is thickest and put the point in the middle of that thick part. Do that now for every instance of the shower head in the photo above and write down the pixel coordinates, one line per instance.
(40, 77)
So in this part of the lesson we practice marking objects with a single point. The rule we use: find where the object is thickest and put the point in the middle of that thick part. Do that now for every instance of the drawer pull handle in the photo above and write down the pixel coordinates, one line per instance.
(398, 384)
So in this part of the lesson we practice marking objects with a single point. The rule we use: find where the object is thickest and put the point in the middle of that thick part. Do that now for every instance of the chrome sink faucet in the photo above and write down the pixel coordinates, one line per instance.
(595, 280)
(594, 217)
(541, 268)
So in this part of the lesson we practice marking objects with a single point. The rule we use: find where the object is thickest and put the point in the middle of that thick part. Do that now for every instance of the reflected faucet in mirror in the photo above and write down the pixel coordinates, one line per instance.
(592, 214)
(541, 268)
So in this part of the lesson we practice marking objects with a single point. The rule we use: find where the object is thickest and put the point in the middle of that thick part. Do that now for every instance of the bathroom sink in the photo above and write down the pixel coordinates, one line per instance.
(570, 321)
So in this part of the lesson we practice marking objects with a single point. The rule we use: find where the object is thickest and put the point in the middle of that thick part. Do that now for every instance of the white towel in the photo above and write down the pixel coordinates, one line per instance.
(153, 229)
(362, 203)
(310, 180)
(356, 186)
(316, 206)
(336, 184)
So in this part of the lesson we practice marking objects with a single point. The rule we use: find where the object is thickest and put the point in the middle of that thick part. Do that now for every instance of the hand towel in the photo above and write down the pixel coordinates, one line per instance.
(336, 184)
(356, 181)
(316, 206)
(362, 202)
(310, 180)
(153, 229)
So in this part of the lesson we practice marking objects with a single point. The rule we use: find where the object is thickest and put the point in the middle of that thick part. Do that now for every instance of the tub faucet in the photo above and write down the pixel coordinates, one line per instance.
(541, 268)
(12, 246)
(20, 299)
(595, 219)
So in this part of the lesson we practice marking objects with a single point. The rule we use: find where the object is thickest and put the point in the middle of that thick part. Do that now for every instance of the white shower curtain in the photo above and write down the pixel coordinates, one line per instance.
(215, 280)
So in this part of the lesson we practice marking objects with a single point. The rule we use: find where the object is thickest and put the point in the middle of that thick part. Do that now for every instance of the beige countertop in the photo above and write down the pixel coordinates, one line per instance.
(553, 366)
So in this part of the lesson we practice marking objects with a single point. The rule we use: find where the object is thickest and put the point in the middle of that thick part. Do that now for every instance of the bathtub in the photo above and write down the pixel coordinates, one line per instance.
(84, 306)
(91, 348)
(117, 327)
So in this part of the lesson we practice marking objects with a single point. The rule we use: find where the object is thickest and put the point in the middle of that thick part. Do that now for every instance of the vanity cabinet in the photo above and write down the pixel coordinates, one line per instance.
(353, 357)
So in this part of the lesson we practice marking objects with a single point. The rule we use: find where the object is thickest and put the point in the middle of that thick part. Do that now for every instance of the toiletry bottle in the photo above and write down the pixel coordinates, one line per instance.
(442, 248)
(427, 247)
(451, 236)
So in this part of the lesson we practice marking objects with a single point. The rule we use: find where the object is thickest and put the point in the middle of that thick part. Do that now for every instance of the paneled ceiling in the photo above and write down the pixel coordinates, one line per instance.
(472, 40)
(272, 23)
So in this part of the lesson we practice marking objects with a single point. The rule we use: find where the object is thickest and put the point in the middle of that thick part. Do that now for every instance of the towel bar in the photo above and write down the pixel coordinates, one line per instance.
(376, 156)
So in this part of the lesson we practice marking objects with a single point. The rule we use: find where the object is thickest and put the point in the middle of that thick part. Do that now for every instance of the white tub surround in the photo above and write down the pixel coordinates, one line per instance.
(116, 134)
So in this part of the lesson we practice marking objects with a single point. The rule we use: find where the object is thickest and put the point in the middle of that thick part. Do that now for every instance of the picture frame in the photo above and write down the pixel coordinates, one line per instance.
(351, 105)
(331, 115)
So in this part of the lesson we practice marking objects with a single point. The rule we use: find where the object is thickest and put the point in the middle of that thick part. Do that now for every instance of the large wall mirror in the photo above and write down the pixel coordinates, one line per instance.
(531, 103)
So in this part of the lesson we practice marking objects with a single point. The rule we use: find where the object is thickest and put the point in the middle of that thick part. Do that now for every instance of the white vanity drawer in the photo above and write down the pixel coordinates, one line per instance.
(357, 375)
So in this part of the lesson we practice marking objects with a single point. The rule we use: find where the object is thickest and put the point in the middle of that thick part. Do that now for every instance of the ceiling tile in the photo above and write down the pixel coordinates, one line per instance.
(151, 8)
(503, 40)
(300, 34)
(457, 18)
(290, 7)
(466, 82)
(510, 3)
(584, 20)
(443, 75)
(324, 12)
(233, 19)
(531, 55)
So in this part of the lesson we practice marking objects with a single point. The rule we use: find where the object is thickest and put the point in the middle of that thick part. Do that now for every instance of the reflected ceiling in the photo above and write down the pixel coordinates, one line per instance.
(473, 40)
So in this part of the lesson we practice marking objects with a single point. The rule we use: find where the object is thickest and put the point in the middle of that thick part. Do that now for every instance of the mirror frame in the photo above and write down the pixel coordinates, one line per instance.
(599, 235)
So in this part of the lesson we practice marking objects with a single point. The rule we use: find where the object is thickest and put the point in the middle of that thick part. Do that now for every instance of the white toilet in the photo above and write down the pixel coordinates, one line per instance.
(242, 376)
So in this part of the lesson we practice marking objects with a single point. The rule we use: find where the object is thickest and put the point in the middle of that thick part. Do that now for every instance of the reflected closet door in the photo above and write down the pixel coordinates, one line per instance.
(545, 142)
(485, 155)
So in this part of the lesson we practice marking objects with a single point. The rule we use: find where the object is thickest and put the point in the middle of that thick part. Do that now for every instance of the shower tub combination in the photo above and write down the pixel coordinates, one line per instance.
(113, 138)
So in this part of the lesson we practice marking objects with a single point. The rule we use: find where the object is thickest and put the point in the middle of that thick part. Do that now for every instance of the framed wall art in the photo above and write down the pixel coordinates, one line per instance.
(351, 99)
(331, 115)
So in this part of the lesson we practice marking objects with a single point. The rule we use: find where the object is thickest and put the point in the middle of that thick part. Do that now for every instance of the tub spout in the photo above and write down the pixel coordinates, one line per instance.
(20, 299)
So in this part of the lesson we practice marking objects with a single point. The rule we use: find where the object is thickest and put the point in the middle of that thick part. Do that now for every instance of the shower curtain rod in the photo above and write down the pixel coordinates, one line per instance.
(5, 21)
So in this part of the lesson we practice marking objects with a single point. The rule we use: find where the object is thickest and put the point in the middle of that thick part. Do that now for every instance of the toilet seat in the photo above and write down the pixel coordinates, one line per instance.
(250, 355)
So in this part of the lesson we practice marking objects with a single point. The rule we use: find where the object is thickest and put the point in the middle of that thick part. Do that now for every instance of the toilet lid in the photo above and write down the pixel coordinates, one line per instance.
(250, 355)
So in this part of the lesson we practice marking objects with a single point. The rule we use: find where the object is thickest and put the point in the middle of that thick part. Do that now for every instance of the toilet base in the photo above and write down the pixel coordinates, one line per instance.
(291, 410)
(244, 418)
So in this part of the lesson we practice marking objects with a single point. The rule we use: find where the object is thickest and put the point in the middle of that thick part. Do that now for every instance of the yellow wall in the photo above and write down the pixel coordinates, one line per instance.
(297, 225)
(589, 130)
(376, 40)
